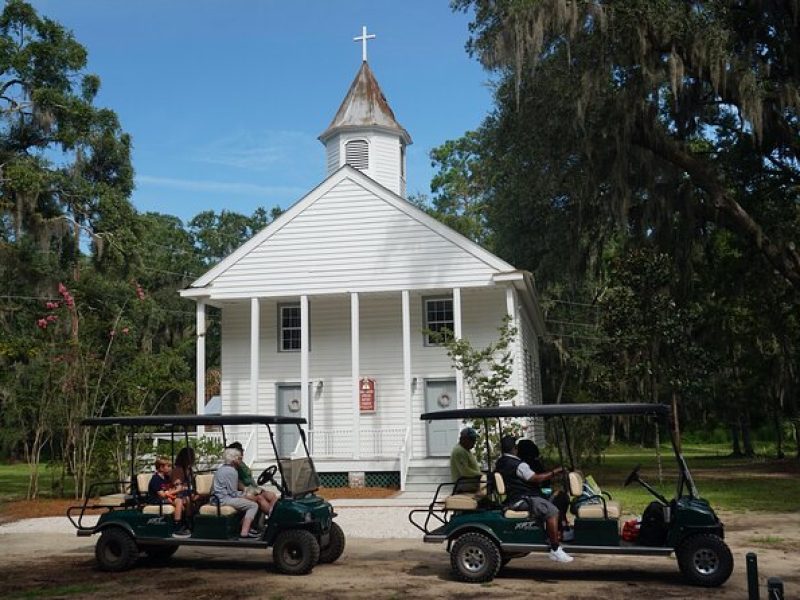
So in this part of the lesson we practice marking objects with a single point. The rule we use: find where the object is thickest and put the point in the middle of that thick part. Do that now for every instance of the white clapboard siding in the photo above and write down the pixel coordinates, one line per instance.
(381, 357)
(351, 240)
(332, 150)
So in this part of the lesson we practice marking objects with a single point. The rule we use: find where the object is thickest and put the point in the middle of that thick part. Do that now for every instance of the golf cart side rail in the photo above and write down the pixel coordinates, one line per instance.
(189, 420)
(549, 410)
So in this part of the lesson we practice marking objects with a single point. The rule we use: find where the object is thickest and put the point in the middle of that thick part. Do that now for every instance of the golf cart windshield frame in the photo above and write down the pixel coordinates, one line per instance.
(661, 411)
(181, 424)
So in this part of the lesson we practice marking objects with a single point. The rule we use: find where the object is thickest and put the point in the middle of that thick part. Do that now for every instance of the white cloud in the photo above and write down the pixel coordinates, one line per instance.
(260, 151)
(216, 187)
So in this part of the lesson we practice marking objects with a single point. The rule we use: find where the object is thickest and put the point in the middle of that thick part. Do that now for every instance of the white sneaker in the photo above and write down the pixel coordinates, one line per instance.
(559, 555)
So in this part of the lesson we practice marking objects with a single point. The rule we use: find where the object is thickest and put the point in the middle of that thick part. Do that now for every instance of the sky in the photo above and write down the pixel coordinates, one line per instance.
(224, 100)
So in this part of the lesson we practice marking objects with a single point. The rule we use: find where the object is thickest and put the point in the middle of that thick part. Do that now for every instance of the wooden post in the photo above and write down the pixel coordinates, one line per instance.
(200, 364)
(305, 405)
(355, 372)
(457, 333)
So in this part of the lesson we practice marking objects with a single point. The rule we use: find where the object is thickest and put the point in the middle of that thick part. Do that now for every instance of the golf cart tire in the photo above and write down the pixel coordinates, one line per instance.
(475, 558)
(295, 552)
(705, 560)
(158, 552)
(115, 550)
(335, 547)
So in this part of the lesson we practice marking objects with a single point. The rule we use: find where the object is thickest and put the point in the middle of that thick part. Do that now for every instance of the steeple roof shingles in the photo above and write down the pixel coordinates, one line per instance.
(365, 106)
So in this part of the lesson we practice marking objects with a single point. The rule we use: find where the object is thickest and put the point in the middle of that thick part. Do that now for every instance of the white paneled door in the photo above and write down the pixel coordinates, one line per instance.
(440, 394)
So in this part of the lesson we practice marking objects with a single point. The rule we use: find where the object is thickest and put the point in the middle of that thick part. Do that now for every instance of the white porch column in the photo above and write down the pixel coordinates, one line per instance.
(511, 310)
(255, 352)
(304, 350)
(407, 359)
(356, 368)
(460, 401)
(200, 365)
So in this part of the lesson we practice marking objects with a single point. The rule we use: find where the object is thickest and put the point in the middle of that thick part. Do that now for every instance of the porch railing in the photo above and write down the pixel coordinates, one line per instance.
(383, 442)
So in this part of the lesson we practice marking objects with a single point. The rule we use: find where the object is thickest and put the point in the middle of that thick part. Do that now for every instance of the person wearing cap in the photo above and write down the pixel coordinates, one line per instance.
(464, 467)
(522, 490)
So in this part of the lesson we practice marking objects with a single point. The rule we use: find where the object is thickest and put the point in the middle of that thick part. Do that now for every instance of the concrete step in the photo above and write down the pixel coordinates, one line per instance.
(443, 471)
(432, 479)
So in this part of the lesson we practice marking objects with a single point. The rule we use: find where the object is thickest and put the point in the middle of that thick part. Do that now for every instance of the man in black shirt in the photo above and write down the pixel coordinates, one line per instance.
(522, 489)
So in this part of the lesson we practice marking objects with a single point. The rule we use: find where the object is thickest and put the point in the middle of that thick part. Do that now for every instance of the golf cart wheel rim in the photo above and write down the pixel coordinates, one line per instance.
(472, 559)
(705, 561)
(112, 551)
(293, 554)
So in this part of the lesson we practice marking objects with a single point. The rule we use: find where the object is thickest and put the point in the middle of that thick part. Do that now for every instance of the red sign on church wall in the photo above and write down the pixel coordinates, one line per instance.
(366, 394)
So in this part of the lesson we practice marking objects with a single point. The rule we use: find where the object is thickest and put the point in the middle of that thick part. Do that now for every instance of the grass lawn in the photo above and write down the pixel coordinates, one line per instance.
(14, 482)
(734, 484)
(737, 484)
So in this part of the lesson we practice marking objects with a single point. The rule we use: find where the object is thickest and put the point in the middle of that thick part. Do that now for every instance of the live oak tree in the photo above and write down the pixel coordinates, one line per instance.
(657, 100)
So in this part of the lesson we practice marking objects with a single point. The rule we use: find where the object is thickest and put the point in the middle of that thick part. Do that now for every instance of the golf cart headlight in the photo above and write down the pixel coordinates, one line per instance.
(308, 518)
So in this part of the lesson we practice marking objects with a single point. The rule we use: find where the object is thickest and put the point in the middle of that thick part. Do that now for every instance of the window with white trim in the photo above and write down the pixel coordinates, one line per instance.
(438, 317)
(289, 327)
(356, 154)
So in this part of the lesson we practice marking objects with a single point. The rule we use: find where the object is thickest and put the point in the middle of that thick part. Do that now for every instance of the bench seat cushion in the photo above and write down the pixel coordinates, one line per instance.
(516, 514)
(595, 511)
(113, 499)
(158, 509)
(211, 510)
(461, 502)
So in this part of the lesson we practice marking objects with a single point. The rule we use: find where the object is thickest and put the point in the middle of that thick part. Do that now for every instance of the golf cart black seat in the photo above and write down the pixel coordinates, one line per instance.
(595, 506)
(467, 501)
(500, 488)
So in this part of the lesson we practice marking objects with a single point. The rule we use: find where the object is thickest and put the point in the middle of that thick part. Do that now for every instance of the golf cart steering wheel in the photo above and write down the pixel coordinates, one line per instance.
(634, 476)
(267, 474)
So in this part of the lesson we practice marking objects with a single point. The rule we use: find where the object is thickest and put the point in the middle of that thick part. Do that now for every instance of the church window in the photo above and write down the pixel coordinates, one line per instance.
(438, 317)
(289, 327)
(356, 154)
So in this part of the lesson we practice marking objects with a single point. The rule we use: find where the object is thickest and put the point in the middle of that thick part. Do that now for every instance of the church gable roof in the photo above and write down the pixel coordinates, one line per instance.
(365, 106)
(350, 234)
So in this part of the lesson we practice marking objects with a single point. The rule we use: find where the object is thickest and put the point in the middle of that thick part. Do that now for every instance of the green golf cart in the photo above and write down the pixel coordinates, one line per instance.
(300, 530)
(483, 534)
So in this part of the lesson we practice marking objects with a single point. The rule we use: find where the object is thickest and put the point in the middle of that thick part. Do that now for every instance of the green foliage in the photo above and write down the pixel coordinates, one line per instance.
(487, 373)
(641, 159)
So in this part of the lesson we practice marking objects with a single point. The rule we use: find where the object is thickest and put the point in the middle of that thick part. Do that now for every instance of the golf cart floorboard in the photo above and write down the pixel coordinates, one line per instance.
(230, 543)
(576, 549)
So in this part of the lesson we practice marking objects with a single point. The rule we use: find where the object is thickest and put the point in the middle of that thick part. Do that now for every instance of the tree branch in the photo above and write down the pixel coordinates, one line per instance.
(783, 257)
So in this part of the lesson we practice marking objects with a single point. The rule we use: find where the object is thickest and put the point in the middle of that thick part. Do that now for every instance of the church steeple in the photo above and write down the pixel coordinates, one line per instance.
(365, 134)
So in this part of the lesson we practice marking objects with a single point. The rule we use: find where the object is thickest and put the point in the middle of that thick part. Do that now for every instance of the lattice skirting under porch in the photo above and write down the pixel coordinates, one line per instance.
(371, 479)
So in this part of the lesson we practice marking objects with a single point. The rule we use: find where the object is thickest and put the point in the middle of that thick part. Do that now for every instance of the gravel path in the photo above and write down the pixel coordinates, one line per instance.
(358, 522)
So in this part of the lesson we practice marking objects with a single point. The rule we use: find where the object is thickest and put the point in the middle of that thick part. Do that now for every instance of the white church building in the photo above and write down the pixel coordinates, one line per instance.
(323, 312)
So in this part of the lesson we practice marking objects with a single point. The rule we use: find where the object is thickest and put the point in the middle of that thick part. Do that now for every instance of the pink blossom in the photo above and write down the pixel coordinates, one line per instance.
(125, 330)
(52, 305)
(68, 299)
(112, 333)
(139, 292)
(51, 318)
(42, 323)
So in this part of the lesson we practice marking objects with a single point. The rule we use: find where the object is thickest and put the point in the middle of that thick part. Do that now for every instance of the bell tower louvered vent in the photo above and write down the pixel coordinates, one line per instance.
(357, 154)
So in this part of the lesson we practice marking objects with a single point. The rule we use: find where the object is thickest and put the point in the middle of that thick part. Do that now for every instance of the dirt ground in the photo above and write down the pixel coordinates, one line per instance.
(62, 566)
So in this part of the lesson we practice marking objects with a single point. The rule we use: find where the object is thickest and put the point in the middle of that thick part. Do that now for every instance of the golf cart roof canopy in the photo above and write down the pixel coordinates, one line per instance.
(548, 410)
(190, 420)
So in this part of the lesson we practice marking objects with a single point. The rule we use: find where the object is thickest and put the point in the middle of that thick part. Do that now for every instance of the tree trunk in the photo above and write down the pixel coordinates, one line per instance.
(676, 426)
(747, 442)
(779, 436)
(797, 438)
(736, 448)
(612, 435)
